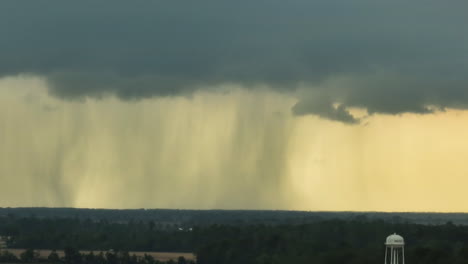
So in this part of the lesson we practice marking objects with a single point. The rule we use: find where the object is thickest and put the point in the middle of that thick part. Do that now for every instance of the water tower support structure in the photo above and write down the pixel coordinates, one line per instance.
(394, 250)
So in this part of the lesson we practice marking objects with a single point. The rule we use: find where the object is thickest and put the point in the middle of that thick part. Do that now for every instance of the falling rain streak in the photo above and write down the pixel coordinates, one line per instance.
(233, 148)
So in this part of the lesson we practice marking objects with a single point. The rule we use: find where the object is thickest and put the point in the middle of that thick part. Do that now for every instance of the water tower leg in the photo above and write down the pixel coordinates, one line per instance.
(391, 256)
(403, 253)
(386, 249)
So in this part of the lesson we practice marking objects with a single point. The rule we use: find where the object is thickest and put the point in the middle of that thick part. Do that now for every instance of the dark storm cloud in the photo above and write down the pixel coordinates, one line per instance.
(398, 56)
(324, 107)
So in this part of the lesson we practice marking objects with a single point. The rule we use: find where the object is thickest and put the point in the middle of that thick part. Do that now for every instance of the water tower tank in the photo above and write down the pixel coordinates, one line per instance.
(395, 240)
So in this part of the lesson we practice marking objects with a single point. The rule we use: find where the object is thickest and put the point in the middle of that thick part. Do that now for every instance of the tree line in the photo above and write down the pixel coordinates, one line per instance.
(73, 256)
(169, 217)
(358, 240)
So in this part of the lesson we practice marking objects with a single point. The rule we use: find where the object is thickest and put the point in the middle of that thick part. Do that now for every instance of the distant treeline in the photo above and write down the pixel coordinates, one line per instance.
(73, 256)
(169, 217)
(355, 240)
(48, 233)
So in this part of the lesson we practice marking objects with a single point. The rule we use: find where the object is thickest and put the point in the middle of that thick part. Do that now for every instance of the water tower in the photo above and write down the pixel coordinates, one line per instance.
(394, 250)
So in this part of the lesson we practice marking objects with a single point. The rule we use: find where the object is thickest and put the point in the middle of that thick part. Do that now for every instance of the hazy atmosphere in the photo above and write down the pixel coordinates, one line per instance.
(296, 105)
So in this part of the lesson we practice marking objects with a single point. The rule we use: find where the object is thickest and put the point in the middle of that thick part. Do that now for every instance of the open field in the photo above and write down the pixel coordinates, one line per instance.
(161, 256)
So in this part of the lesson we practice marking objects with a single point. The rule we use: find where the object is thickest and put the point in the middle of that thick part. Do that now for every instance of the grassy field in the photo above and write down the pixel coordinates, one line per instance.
(161, 256)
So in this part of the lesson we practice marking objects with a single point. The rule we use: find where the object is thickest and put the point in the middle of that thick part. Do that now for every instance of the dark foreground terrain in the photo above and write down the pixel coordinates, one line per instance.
(158, 256)
(231, 237)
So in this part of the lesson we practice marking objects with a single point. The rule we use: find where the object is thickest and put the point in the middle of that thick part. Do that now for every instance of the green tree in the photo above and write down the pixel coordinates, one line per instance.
(53, 257)
(148, 259)
(90, 258)
(181, 260)
(7, 256)
(111, 257)
(29, 256)
(72, 256)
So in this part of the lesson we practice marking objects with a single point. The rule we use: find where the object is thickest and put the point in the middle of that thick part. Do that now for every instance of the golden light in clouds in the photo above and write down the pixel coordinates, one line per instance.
(239, 149)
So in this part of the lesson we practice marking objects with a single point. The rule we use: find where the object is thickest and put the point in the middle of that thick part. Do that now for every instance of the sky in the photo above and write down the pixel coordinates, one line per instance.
(356, 105)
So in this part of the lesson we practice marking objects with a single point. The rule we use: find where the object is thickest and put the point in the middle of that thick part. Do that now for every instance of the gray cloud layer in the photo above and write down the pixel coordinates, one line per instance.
(391, 57)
